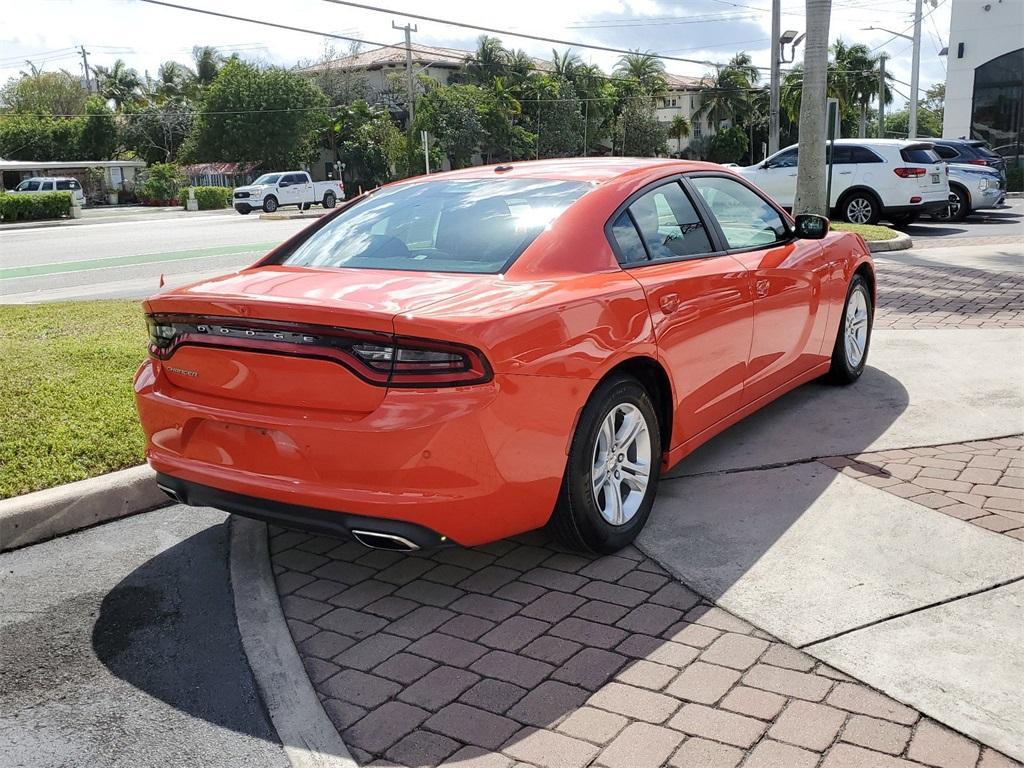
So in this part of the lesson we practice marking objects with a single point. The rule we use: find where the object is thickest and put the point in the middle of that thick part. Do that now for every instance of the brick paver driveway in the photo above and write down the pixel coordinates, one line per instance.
(519, 652)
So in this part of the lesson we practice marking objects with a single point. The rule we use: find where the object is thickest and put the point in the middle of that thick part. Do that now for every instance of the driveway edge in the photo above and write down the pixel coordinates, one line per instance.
(35, 517)
(309, 738)
(901, 242)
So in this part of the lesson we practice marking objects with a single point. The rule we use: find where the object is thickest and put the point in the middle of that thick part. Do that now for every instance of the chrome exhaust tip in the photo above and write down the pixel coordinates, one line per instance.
(389, 541)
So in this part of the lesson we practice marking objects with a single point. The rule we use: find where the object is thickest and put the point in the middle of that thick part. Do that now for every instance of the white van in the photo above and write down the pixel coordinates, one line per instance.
(39, 184)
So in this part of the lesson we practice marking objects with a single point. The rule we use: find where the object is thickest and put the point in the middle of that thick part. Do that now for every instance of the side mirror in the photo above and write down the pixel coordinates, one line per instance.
(765, 165)
(810, 226)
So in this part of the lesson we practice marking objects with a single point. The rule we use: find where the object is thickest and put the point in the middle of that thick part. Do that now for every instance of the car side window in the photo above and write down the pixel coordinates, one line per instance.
(28, 186)
(842, 153)
(863, 155)
(747, 219)
(47, 186)
(669, 225)
(786, 159)
(630, 247)
(946, 153)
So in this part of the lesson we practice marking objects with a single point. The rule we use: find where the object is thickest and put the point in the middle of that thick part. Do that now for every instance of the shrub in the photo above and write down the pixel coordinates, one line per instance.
(1015, 180)
(210, 198)
(33, 207)
(161, 184)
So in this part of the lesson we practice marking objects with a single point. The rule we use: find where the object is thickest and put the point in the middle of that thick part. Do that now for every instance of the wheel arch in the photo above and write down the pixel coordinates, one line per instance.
(866, 270)
(655, 379)
(966, 192)
(860, 188)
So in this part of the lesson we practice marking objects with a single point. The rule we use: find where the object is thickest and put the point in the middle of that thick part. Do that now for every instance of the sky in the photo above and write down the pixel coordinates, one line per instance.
(47, 32)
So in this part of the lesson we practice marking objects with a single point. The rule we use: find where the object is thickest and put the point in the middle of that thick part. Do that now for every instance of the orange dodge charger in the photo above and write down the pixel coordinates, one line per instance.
(455, 358)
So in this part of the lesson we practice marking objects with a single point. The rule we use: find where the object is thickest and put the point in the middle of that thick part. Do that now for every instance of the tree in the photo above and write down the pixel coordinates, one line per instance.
(44, 93)
(934, 101)
(98, 137)
(340, 86)
(810, 180)
(257, 115)
(207, 64)
(728, 97)
(173, 81)
(556, 117)
(368, 142)
(855, 76)
(898, 123)
(647, 71)
(679, 127)
(156, 132)
(565, 64)
(728, 145)
(640, 131)
(451, 114)
(490, 60)
(119, 83)
(92, 136)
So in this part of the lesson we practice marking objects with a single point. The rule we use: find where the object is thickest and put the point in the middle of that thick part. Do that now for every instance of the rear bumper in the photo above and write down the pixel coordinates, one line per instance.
(928, 206)
(473, 464)
(322, 521)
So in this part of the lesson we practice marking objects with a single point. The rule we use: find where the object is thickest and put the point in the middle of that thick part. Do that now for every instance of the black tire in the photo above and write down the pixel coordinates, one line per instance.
(270, 204)
(305, 206)
(961, 209)
(329, 200)
(577, 520)
(244, 210)
(842, 372)
(860, 207)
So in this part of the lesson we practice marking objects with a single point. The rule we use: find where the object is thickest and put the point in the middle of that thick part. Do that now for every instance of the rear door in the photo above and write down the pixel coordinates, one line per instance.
(698, 297)
(786, 277)
(923, 156)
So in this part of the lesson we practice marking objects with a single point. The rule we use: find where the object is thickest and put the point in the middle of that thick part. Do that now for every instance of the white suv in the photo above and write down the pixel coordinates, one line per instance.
(40, 184)
(872, 179)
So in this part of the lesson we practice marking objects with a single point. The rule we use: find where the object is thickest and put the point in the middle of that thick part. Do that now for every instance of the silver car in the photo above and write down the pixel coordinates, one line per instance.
(972, 188)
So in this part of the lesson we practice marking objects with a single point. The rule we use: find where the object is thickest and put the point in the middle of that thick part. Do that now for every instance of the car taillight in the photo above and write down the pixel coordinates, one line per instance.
(909, 173)
(378, 358)
(978, 161)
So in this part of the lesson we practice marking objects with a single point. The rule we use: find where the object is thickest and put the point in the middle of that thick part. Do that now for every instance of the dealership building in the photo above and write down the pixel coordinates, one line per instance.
(985, 75)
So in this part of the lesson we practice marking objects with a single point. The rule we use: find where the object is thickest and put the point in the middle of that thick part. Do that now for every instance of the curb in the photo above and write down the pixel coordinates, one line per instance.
(1014, 195)
(288, 216)
(43, 515)
(901, 242)
(309, 738)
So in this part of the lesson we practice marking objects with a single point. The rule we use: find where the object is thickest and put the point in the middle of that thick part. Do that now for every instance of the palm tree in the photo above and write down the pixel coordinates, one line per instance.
(172, 80)
(490, 60)
(857, 71)
(207, 64)
(119, 83)
(744, 65)
(680, 128)
(565, 64)
(810, 179)
(727, 97)
(645, 69)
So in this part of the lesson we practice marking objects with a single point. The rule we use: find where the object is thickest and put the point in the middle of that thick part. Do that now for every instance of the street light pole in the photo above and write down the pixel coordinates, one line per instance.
(915, 71)
(881, 96)
(773, 98)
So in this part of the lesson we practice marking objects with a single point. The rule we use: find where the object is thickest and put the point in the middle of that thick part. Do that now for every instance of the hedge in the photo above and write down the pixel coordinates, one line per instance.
(34, 206)
(210, 198)
(1015, 180)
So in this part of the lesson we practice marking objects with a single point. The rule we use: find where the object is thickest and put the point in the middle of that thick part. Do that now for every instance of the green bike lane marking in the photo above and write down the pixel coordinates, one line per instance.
(55, 268)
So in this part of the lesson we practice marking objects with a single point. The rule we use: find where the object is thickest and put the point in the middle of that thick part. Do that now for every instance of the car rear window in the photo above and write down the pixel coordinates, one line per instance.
(470, 225)
(919, 153)
(984, 151)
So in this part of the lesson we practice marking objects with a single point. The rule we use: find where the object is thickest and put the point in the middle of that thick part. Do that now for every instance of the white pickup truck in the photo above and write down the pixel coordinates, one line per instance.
(272, 190)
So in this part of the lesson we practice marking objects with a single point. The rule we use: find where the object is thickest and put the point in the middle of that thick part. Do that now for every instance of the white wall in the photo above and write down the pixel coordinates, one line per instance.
(987, 29)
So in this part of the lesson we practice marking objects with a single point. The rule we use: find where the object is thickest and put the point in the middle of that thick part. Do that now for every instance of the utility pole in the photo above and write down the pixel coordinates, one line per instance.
(881, 96)
(773, 98)
(85, 67)
(410, 82)
(915, 71)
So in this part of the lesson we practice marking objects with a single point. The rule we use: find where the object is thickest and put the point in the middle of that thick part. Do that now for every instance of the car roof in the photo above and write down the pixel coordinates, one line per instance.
(586, 169)
(49, 178)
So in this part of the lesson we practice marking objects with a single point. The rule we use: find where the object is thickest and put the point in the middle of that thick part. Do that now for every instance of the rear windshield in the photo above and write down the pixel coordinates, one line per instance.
(470, 225)
(984, 151)
(920, 154)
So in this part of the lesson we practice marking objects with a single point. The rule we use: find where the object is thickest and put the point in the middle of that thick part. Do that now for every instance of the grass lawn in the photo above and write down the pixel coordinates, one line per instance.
(66, 392)
(867, 231)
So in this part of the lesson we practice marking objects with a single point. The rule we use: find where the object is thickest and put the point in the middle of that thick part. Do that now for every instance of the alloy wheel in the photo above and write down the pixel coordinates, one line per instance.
(859, 210)
(621, 467)
(856, 327)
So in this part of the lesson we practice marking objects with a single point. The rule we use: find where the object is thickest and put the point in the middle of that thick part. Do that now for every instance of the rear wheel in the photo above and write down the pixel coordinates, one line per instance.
(850, 353)
(903, 219)
(958, 208)
(860, 208)
(613, 469)
(329, 199)
(270, 204)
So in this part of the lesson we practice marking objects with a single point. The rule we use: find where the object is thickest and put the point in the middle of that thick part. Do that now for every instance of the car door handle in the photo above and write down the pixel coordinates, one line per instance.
(761, 288)
(845, 173)
(669, 303)
(793, 174)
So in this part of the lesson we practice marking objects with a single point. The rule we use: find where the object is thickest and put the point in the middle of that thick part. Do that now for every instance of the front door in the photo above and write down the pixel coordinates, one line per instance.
(699, 301)
(778, 177)
(786, 278)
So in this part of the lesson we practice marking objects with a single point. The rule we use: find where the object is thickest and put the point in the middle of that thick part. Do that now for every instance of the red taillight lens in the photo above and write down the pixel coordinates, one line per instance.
(909, 173)
(378, 358)
(977, 161)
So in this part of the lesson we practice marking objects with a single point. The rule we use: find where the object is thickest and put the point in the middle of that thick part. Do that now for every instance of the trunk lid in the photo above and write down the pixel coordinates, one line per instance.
(288, 335)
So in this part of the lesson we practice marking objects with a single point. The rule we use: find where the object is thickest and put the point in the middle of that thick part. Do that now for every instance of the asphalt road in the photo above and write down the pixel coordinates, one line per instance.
(125, 258)
(1002, 222)
(119, 648)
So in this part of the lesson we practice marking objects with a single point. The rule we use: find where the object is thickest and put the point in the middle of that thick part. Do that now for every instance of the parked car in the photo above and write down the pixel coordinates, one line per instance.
(457, 358)
(872, 179)
(972, 188)
(272, 190)
(969, 151)
(41, 184)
